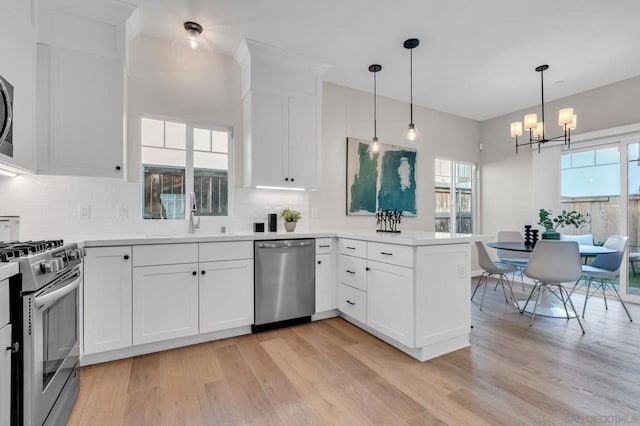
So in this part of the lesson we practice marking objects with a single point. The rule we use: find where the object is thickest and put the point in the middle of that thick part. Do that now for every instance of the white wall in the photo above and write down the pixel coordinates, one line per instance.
(349, 113)
(514, 187)
(17, 66)
(205, 88)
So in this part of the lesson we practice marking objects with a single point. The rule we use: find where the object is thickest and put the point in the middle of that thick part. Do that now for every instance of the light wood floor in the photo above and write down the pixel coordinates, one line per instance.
(330, 372)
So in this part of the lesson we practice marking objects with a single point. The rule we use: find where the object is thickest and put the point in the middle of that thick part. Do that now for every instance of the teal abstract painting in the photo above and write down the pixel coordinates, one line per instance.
(382, 180)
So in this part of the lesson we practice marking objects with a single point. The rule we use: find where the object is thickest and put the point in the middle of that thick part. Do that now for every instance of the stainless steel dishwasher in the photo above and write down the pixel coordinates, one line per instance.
(284, 282)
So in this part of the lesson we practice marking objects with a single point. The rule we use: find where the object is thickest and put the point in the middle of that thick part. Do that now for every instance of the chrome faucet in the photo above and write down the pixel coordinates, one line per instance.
(194, 208)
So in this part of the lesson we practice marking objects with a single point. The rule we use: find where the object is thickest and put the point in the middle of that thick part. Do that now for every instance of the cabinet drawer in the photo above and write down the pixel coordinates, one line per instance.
(352, 271)
(391, 253)
(230, 250)
(164, 254)
(352, 302)
(324, 245)
(353, 247)
(4, 303)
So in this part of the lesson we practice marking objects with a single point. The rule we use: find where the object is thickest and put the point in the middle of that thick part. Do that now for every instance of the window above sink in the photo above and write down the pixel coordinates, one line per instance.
(177, 155)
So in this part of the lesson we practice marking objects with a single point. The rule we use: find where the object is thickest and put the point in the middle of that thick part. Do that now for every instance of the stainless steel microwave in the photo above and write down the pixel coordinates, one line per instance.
(6, 118)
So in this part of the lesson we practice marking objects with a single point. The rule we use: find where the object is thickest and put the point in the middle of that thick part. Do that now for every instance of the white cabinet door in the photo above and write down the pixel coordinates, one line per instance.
(165, 302)
(390, 307)
(80, 124)
(269, 135)
(304, 140)
(326, 285)
(5, 375)
(226, 294)
(443, 298)
(107, 299)
(283, 136)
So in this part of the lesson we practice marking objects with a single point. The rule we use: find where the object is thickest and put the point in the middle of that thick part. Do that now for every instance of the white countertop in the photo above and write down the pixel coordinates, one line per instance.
(410, 238)
(8, 270)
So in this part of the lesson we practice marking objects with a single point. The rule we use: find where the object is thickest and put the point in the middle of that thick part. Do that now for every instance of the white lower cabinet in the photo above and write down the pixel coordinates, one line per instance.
(5, 375)
(226, 294)
(390, 296)
(107, 299)
(165, 302)
(326, 288)
(352, 302)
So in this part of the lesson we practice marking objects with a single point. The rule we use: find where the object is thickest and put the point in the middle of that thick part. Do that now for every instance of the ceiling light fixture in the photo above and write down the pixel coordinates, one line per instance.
(375, 146)
(566, 119)
(412, 135)
(193, 39)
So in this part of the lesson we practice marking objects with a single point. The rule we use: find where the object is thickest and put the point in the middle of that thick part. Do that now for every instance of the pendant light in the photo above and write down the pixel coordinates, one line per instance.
(566, 120)
(193, 38)
(375, 146)
(412, 135)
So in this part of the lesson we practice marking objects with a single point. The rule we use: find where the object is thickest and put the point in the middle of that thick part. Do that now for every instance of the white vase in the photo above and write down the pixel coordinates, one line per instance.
(290, 226)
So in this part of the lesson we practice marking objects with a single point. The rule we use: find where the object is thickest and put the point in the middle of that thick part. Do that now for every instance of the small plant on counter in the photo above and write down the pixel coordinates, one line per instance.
(289, 215)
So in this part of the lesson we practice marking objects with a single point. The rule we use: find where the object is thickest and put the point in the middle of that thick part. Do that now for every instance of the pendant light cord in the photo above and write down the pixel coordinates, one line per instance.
(542, 96)
(411, 82)
(375, 107)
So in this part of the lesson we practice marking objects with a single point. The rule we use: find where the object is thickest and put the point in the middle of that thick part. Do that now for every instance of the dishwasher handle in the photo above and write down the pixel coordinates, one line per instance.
(285, 244)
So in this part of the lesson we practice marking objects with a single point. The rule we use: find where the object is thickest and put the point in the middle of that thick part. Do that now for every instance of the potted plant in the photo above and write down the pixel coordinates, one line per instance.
(551, 224)
(290, 218)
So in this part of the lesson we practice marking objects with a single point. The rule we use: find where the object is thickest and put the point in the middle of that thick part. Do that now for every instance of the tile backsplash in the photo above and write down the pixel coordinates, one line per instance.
(77, 208)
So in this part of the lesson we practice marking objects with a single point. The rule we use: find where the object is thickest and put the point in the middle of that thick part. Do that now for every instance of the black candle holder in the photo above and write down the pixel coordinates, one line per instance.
(388, 221)
(534, 237)
(527, 235)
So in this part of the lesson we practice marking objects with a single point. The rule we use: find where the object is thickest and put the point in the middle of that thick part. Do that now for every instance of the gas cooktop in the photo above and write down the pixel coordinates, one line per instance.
(16, 249)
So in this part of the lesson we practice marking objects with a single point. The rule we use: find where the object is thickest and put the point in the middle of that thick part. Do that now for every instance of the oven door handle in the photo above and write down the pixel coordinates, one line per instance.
(49, 298)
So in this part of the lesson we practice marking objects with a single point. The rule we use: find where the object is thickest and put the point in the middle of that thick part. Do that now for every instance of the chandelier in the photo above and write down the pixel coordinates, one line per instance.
(566, 120)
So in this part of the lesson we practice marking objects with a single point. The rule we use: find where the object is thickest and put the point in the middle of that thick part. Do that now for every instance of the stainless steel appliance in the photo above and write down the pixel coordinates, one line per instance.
(6, 118)
(284, 282)
(44, 310)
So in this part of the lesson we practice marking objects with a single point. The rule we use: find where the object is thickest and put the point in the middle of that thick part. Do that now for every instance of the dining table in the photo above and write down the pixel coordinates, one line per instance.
(549, 304)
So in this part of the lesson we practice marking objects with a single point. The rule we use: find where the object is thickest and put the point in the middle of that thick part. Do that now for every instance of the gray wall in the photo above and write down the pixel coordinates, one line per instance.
(515, 187)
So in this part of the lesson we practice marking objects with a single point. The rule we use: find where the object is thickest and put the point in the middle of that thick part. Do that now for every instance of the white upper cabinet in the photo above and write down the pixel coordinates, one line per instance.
(80, 87)
(282, 103)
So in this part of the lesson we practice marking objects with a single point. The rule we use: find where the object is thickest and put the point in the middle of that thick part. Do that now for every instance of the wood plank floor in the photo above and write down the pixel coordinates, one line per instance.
(332, 373)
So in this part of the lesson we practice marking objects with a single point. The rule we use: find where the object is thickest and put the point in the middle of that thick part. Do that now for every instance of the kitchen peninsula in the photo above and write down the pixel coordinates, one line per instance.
(410, 289)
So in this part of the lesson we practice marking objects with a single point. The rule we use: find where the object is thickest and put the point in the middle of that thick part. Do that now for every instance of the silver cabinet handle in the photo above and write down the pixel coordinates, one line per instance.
(350, 302)
(350, 272)
(350, 248)
(386, 254)
(324, 246)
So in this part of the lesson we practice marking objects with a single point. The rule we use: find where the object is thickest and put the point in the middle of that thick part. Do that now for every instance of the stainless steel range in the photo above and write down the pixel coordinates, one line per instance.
(44, 309)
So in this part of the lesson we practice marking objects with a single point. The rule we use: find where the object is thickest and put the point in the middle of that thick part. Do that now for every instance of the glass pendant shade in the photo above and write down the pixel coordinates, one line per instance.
(375, 146)
(192, 38)
(412, 135)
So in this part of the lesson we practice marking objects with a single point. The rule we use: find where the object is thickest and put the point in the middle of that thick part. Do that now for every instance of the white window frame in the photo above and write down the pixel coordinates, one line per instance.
(453, 222)
(189, 169)
(622, 136)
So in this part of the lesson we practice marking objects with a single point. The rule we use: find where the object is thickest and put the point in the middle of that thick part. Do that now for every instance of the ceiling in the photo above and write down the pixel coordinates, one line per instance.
(476, 59)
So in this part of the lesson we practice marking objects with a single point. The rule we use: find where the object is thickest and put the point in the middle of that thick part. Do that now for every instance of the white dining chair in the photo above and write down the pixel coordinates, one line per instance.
(519, 259)
(598, 273)
(551, 264)
(584, 239)
(491, 268)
